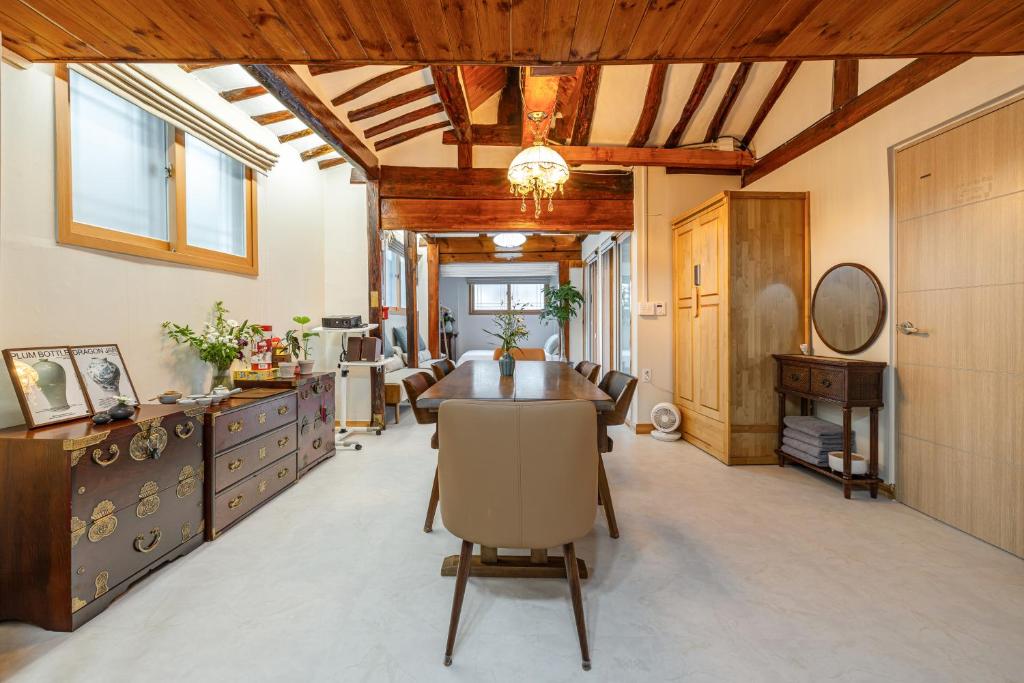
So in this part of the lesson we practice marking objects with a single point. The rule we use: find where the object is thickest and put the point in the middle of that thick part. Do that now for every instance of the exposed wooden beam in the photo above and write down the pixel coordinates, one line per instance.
(433, 313)
(239, 94)
(496, 135)
(315, 152)
(586, 101)
(485, 245)
(512, 257)
(783, 79)
(408, 117)
(449, 89)
(321, 69)
(539, 95)
(490, 215)
(415, 182)
(482, 82)
(331, 163)
(284, 83)
(372, 84)
(906, 80)
(510, 102)
(845, 83)
(389, 103)
(273, 117)
(288, 137)
(408, 135)
(374, 275)
(189, 68)
(700, 88)
(652, 103)
(465, 160)
(728, 99)
(656, 156)
(412, 318)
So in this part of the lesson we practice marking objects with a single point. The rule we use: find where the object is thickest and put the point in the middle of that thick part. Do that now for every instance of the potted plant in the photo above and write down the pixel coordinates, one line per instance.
(220, 343)
(297, 342)
(511, 330)
(561, 304)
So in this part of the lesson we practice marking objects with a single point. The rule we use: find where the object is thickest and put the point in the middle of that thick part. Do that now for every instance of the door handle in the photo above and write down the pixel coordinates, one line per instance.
(907, 327)
(696, 275)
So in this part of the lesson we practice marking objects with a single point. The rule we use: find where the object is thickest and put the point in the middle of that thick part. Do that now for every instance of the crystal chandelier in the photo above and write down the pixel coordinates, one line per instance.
(537, 171)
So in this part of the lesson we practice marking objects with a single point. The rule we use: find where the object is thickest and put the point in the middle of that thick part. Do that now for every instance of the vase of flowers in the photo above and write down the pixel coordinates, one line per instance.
(511, 330)
(561, 304)
(297, 342)
(220, 343)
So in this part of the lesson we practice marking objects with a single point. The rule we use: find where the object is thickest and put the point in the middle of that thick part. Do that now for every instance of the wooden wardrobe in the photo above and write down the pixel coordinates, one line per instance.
(740, 263)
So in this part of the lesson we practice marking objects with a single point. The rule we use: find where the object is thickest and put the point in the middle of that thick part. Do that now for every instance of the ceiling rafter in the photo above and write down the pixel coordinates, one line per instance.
(728, 100)
(389, 103)
(314, 152)
(449, 89)
(331, 163)
(586, 102)
(845, 77)
(778, 87)
(288, 137)
(241, 94)
(408, 117)
(652, 104)
(408, 135)
(321, 69)
(697, 92)
(372, 84)
(273, 117)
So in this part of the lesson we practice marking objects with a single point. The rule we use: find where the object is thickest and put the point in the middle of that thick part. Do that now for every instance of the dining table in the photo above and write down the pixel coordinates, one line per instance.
(531, 381)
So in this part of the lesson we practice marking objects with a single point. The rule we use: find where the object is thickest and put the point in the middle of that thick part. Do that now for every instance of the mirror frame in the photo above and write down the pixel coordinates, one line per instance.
(882, 310)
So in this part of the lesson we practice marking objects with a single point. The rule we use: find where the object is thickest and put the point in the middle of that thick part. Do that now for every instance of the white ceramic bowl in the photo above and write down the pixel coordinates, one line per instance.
(204, 400)
(858, 463)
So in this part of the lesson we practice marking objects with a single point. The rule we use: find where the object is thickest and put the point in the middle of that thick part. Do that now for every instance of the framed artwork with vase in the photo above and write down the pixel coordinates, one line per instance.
(104, 375)
(48, 385)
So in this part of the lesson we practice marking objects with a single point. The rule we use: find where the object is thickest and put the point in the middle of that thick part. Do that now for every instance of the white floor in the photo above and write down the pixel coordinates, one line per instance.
(741, 574)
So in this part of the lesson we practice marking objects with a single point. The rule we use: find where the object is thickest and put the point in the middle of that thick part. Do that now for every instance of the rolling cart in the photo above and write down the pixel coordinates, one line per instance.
(344, 366)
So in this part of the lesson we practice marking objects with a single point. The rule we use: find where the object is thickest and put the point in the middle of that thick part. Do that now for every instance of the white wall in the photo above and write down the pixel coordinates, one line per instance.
(848, 178)
(453, 292)
(51, 294)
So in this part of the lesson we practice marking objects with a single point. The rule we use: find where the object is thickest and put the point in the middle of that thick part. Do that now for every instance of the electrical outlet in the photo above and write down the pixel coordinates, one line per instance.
(645, 374)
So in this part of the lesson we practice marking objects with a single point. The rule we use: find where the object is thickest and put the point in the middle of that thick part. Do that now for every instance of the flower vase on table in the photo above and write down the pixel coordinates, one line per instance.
(511, 330)
(506, 364)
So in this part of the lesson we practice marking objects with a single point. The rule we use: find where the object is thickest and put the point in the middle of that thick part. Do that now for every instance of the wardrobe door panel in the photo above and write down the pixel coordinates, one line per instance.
(684, 355)
(705, 251)
(707, 360)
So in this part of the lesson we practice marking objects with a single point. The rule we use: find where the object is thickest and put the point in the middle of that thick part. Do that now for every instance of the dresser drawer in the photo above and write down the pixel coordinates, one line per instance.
(115, 471)
(120, 544)
(236, 464)
(235, 427)
(828, 383)
(795, 377)
(316, 445)
(248, 494)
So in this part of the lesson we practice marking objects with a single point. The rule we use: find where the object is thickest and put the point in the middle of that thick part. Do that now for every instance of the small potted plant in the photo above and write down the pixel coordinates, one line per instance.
(220, 343)
(511, 330)
(297, 342)
(561, 304)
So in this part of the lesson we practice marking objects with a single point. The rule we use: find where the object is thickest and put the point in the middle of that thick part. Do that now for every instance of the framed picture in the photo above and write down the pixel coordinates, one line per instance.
(47, 383)
(104, 375)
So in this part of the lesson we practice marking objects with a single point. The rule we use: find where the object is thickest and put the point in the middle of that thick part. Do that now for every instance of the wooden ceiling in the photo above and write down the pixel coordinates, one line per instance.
(511, 32)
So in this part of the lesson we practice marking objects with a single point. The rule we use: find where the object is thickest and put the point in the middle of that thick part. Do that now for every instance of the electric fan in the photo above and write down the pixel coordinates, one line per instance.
(666, 419)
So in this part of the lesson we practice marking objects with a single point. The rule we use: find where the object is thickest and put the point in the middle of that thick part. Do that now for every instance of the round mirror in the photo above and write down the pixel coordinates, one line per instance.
(848, 308)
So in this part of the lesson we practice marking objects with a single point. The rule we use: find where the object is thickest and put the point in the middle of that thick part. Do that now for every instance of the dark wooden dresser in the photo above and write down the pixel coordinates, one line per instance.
(846, 382)
(251, 439)
(315, 417)
(86, 510)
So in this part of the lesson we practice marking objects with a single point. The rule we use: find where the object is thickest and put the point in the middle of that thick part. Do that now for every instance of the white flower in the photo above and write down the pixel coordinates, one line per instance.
(232, 323)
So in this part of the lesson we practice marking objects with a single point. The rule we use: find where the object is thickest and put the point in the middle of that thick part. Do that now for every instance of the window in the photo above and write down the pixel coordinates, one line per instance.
(131, 183)
(394, 276)
(487, 297)
(624, 326)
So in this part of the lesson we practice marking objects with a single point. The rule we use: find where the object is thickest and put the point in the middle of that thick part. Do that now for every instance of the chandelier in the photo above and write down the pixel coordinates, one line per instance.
(537, 171)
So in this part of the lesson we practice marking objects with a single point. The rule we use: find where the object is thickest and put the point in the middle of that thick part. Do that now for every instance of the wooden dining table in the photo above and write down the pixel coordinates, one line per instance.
(531, 381)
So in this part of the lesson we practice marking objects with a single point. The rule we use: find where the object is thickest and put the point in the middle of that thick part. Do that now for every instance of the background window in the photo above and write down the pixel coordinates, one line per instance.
(625, 323)
(528, 295)
(214, 199)
(394, 278)
(488, 298)
(119, 160)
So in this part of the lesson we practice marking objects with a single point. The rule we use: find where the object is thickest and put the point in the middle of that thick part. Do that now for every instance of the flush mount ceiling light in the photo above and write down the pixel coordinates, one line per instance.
(509, 239)
(537, 171)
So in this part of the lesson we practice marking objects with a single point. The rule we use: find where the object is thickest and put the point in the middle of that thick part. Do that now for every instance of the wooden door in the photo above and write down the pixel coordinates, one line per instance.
(960, 281)
(683, 267)
(708, 320)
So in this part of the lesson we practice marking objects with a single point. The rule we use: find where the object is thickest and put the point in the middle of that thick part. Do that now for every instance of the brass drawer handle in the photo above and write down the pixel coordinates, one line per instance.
(263, 452)
(234, 465)
(318, 388)
(826, 382)
(261, 418)
(235, 502)
(283, 441)
(235, 427)
(318, 442)
(185, 429)
(282, 473)
(152, 544)
(113, 451)
(283, 410)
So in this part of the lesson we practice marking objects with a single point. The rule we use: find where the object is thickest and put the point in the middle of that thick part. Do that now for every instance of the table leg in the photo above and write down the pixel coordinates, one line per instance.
(847, 460)
(873, 456)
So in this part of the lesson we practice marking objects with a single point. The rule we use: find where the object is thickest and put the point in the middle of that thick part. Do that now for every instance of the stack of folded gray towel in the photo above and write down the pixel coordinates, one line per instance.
(811, 438)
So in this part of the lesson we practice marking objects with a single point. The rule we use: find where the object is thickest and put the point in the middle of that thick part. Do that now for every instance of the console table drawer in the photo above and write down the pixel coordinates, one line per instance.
(828, 383)
(236, 464)
(234, 503)
(237, 426)
(795, 377)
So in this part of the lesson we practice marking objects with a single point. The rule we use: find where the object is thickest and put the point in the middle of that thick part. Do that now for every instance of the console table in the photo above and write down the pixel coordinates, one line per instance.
(842, 381)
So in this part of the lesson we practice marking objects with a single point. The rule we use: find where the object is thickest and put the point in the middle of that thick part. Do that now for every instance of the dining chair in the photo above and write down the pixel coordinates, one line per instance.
(518, 475)
(620, 387)
(589, 370)
(415, 385)
(441, 368)
(522, 354)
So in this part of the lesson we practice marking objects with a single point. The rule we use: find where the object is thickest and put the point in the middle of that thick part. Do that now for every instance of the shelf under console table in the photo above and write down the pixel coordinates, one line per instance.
(844, 382)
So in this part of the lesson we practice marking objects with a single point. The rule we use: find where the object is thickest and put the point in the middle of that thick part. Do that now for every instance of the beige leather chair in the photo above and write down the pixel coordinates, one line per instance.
(441, 368)
(415, 385)
(518, 475)
(522, 354)
(589, 370)
(621, 388)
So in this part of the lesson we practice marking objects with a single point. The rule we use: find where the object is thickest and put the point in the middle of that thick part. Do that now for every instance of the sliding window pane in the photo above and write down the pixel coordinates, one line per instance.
(489, 297)
(529, 296)
(118, 162)
(214, 199)
(625, 324)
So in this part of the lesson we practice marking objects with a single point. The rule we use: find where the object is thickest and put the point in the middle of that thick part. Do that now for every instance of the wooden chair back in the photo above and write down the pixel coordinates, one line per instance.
(620, 387)
(442, 368)
(589, 370)
(415, 385)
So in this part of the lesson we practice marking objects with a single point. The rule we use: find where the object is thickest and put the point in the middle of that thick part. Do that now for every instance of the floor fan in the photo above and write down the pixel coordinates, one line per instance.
(666, 419)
